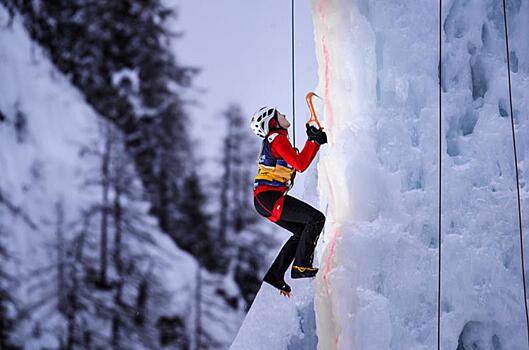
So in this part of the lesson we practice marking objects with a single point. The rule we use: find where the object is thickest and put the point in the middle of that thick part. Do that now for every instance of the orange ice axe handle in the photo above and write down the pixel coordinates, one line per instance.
(313, 116)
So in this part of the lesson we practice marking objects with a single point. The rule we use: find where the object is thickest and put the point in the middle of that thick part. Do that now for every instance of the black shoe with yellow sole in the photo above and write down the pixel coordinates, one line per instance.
(303, 271)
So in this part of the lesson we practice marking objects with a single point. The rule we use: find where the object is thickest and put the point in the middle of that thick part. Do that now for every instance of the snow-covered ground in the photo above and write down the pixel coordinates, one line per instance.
(378, 177)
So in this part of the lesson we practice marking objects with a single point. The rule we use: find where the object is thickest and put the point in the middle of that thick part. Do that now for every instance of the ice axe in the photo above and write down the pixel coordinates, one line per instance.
(313, 116)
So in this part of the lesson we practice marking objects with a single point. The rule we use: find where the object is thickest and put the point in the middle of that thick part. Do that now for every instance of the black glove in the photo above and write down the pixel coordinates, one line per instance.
(317, 135)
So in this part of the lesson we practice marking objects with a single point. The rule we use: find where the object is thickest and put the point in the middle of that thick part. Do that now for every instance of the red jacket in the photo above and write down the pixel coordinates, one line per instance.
(282, 148)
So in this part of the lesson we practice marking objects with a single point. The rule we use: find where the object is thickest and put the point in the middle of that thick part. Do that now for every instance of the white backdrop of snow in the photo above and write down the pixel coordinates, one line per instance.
(378, 177)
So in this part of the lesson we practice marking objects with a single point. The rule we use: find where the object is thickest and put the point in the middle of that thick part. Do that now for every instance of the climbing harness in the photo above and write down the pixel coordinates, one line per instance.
(516, 166)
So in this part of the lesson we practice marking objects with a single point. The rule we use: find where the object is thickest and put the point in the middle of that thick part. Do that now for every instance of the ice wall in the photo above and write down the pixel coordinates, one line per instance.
(378, 70)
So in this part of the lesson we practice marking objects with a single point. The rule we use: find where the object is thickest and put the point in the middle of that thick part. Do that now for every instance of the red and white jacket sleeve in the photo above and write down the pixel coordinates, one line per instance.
(281, 147)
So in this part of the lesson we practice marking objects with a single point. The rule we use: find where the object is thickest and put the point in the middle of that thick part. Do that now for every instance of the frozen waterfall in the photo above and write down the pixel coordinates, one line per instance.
(379, 179)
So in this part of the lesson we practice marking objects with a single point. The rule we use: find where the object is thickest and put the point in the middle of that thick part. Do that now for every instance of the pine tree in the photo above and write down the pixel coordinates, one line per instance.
(8, 319)
(193, 216)
(54, 287)
(105, 187)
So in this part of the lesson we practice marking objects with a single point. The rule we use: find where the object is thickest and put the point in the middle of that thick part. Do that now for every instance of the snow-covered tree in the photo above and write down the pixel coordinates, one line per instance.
(8, 317)
(102, 287)
(118, 55)
(129, 301)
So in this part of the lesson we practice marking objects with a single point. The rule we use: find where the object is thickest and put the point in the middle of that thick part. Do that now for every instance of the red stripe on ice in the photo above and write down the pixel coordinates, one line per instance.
(328, 260)
(329, 121)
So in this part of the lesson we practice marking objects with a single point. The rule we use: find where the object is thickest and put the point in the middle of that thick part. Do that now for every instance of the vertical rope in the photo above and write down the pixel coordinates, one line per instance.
(440, 179)
(293, 75)
(516, 166)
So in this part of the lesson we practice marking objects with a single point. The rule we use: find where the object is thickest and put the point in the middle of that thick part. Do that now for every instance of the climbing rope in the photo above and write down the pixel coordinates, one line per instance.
(293, 75)
(440, 182)
(516, 165)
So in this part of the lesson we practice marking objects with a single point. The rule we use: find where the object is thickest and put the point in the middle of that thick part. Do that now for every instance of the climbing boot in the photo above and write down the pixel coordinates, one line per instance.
(303, 271)
(279, 283)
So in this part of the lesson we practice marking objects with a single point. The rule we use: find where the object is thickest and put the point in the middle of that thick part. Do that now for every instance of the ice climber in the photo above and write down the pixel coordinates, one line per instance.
(278, 163)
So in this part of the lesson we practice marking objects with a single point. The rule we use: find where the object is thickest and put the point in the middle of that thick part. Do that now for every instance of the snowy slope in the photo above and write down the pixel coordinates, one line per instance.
(40, 163)
(43, 138)
(378, 176)
(275, 322)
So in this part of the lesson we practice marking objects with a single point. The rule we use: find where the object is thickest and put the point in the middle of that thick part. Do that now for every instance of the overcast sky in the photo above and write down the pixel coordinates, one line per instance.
(243, 48)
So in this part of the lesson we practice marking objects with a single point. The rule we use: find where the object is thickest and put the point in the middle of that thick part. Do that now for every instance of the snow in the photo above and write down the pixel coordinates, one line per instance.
(378, 179)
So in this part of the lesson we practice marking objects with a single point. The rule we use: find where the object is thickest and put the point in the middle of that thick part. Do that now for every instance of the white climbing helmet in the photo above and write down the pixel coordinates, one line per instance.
(260, 120)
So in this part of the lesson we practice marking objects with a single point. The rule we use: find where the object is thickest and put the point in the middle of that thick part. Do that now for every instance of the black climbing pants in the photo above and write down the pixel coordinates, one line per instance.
(305, 223)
